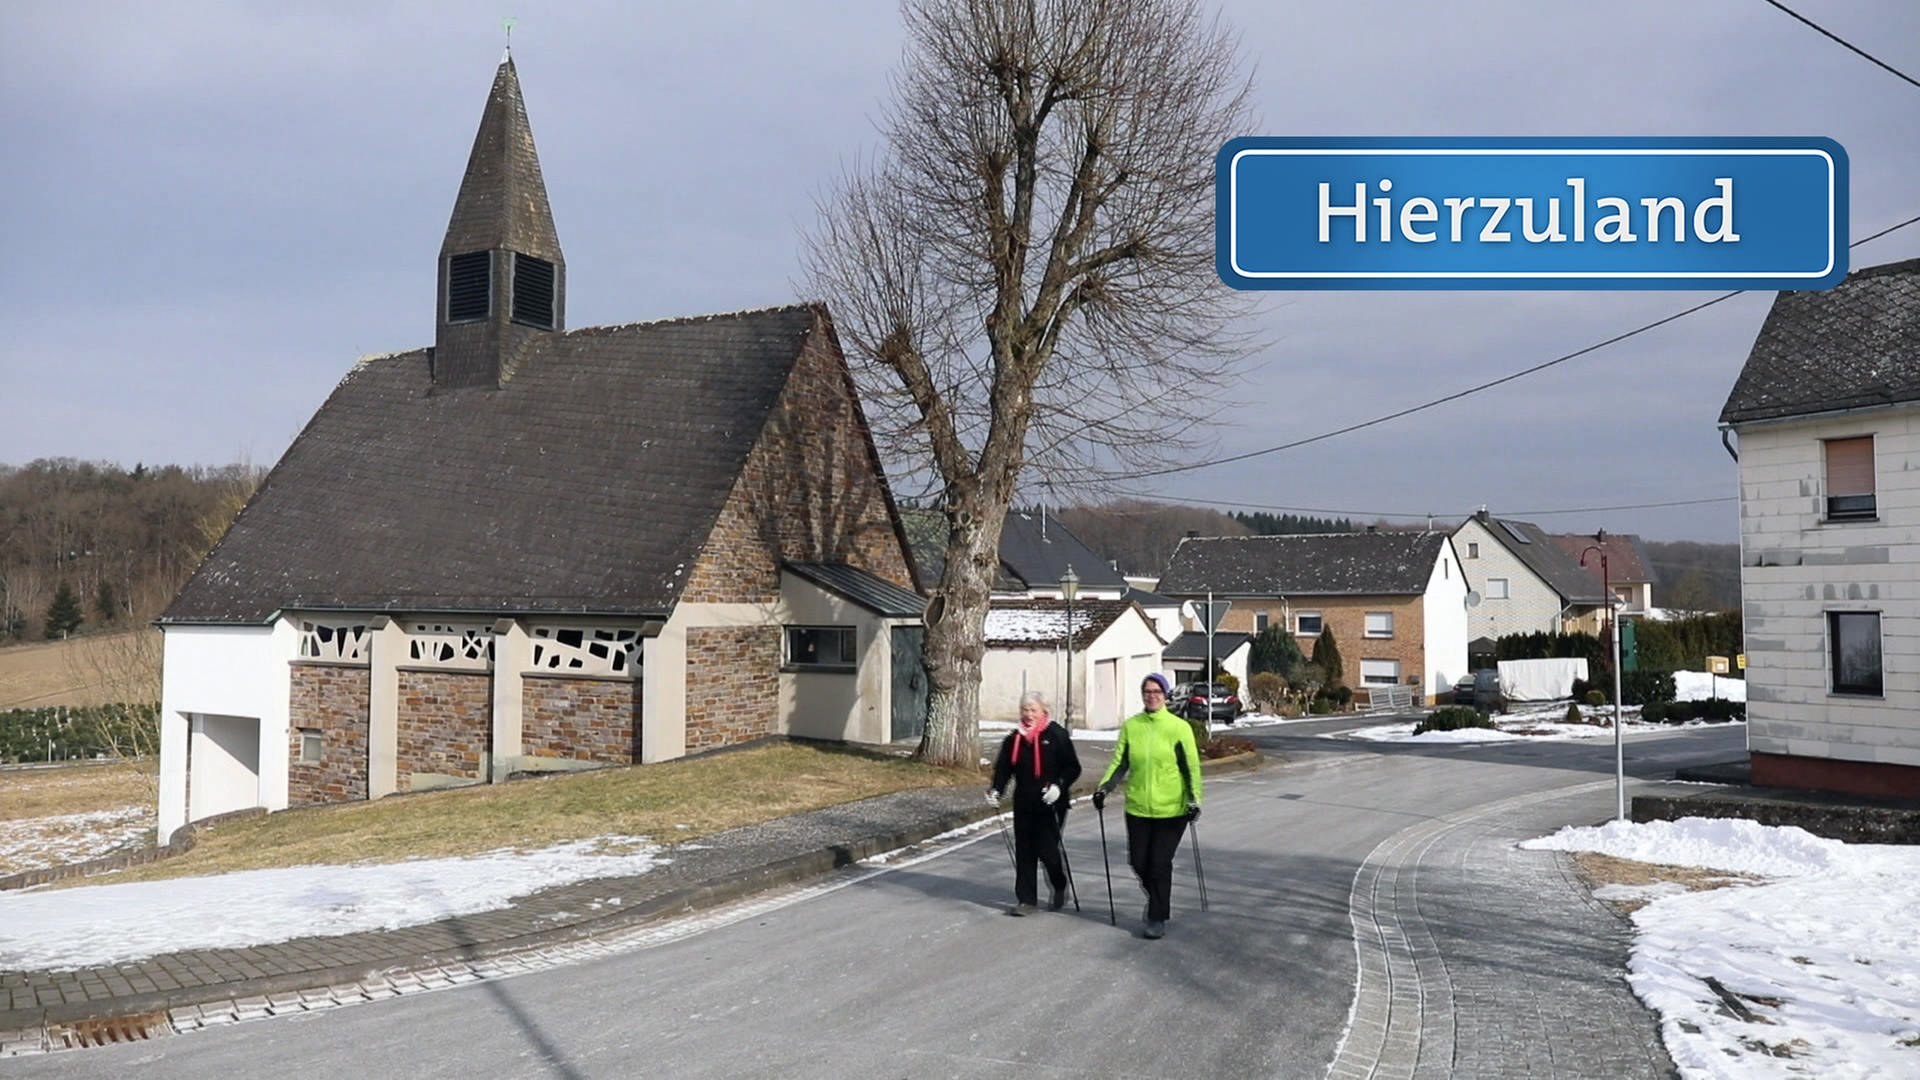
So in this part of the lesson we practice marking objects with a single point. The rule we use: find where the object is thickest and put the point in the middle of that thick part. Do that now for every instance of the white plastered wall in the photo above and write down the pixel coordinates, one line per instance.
(1130, 641)
(232, 672)
(1444, 614)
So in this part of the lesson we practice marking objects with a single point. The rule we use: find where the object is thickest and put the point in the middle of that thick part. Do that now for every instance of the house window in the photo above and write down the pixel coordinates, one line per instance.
(1496, 588)
(824, 647)
(1473, 549)
(310, 745)
(1446, 570)
(1260, 622)
(1854, 644)
(1379, 624)
(1307, 624)
(1379, 672)
(1850, 479)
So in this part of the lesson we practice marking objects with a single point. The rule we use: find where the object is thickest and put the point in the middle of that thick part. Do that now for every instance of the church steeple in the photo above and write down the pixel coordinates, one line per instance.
(502, 277)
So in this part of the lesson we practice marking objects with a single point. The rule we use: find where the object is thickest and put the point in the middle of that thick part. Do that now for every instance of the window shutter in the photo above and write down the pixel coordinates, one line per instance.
(1850, 466)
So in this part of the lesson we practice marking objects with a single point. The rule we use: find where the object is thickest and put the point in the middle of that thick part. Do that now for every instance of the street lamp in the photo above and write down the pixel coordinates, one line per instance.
(1069, 588)
(1613, 631)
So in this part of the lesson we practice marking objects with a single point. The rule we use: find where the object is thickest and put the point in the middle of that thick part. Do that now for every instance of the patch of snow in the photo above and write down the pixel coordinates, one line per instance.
(1033, 624)
(1828, 951)
(38, 843)
(106, 924)
(1701, 685)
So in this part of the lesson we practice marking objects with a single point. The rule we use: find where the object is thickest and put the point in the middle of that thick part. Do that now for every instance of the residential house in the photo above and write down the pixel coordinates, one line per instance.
(1395, 601)
(1827, 411)
(531, 547)
(1169, 615)
(1113, 648)
(1628, 571)
(1036, 551)
(1524, 582)
(1186, 656)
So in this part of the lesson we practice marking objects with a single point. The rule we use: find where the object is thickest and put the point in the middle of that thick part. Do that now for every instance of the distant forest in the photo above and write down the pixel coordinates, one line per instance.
(92, 545)
(1141, 536)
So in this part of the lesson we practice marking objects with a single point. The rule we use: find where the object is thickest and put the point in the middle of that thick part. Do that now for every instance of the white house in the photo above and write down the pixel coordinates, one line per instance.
(1827, 411)
(528, 547)
(1526, 584)
(1186, 656)
(1114, 648)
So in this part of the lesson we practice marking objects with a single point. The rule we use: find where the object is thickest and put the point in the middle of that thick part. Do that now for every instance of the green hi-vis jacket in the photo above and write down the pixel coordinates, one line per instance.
(1149, 756)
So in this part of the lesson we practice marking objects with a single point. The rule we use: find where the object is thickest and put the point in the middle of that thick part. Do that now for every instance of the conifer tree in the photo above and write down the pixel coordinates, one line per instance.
(1326, 657)
(63, 615)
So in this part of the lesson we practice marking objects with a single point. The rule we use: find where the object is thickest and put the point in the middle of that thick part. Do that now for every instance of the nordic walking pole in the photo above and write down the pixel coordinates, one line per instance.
(1113, 916)
(1197, 871)
(1061, 843)
(1007, 838)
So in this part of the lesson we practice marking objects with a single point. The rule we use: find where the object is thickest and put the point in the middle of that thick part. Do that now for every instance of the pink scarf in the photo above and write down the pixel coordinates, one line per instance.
(1030, 735)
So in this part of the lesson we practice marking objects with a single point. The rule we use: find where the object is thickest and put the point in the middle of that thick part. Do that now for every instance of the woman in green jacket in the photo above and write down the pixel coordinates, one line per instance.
(1160, 761)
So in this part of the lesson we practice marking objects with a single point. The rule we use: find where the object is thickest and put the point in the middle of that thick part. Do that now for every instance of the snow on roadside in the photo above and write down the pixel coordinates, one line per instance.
(105, 924)
(1827, 952)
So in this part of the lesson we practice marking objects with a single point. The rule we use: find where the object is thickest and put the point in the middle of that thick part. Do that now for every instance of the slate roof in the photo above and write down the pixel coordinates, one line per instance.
(1852, 346)
(1542, 555)
(1029, 624)
(1309, 564)
(1148, 599)
(876, 594)
(587, 484)
(1627, 561)
(1192, 645)
(1028, 559)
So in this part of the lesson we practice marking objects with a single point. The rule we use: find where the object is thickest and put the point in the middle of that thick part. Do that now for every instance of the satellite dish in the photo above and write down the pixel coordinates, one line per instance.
(1473, 598)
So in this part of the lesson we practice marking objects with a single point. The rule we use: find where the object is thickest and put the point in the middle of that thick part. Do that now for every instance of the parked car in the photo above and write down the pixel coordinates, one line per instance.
(1480, 690)
(1213, 701)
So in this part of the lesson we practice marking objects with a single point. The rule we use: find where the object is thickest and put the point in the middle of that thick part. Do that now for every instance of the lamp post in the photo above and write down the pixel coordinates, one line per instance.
(1613, 632)
(1069, 588)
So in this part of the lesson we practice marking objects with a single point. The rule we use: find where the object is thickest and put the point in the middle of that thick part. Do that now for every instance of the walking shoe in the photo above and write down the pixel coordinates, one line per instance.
(1057, 899)
(1021, 910)
(1156, 928)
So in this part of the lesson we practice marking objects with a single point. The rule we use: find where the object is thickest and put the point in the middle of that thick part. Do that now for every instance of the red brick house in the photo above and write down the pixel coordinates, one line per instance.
(527, 547)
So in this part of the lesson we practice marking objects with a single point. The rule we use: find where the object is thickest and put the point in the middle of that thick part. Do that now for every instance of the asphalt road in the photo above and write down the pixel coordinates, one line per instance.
(914, 971)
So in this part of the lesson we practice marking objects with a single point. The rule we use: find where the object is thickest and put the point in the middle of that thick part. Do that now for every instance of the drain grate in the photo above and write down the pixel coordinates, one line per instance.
(115, 1029)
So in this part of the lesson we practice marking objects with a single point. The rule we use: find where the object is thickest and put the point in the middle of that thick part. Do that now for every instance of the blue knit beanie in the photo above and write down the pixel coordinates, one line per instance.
(1154, 676)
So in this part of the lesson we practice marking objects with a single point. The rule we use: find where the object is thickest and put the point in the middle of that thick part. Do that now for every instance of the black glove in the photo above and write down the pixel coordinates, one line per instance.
(1100, 798)
(1193, 810)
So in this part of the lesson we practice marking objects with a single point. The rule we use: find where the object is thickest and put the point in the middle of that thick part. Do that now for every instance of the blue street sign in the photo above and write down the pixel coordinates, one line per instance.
(1531, 213)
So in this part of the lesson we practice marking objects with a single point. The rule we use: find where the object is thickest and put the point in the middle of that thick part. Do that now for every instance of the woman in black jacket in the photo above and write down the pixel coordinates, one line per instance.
(1039, 758)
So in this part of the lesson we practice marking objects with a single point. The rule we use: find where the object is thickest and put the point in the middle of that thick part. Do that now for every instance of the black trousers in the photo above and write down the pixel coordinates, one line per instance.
(1151, 844)
(1036, 839)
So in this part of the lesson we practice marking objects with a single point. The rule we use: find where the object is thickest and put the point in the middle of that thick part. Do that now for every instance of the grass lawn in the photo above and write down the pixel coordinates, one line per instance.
(76, 789)
(668, 802)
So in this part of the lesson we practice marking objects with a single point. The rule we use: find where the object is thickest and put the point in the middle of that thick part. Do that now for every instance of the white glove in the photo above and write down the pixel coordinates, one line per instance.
(1052, 793)
(993, 798)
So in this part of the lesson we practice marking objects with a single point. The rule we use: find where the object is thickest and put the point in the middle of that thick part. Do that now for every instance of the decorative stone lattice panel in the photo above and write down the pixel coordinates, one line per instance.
(467, 646)
(348, 643)
(587, 650)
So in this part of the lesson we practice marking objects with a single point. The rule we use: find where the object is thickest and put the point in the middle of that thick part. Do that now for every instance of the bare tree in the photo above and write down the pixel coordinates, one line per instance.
(1025, 276)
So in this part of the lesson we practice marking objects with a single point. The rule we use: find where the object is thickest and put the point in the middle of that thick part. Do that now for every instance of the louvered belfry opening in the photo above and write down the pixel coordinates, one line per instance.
(469, 286)
(532, 291)
(503, 279)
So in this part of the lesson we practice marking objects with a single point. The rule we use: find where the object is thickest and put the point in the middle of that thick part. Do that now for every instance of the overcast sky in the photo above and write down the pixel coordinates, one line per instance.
(210, 210)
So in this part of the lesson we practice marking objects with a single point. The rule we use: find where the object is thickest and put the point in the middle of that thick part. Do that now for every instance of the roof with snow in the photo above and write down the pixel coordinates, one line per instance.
(1043, 623)
(1308, 564)
(1856, 345)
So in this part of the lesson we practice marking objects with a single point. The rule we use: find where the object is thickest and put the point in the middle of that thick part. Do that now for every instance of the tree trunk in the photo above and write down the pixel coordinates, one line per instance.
(956, 630)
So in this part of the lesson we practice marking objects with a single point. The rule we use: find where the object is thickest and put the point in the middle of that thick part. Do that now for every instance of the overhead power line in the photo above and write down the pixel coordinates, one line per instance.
(1457, 395)
(1442, 514)
(1845, 44)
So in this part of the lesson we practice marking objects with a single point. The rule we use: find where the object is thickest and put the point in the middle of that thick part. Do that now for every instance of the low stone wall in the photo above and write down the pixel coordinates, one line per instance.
(1855, 823)
(182, 841)
(732, 693)
(580, 719)
(445, 724)
(331, 699)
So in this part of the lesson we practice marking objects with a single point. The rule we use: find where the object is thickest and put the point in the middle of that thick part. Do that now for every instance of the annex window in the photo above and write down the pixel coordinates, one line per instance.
(1380, 624)
(1260, 622)
(1850, 494)
(310, 746)
(1497, 588)
(469, 286)
(1853, 639)
(1379, 672)
(1307, 623)
(827, 647)
(532, 291)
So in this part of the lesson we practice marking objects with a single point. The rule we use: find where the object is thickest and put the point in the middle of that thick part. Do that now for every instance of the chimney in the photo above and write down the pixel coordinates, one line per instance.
(1373, 528)
(1484, 516)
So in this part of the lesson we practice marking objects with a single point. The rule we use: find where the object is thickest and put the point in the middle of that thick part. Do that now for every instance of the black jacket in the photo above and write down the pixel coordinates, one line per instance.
(1058, 765)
